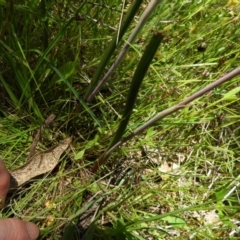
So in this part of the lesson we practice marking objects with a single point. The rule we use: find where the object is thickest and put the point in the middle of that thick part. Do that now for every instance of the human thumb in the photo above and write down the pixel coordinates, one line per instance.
(15, 229)
(4, 183)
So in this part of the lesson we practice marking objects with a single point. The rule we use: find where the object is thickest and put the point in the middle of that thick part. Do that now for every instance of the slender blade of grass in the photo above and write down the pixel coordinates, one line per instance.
(113, 45)
(57, 38)
(75, 93)
(134, 89)
(142, 21)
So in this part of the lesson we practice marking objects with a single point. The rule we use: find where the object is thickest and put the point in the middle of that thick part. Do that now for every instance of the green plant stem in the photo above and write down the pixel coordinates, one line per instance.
(138, 77)
(142, 21)
(113, 45)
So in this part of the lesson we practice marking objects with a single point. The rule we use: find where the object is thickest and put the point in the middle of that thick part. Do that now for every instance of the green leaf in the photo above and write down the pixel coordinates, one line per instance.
(138, 77)
(175, 221)
(231, 95)
(70, 232)
(79, 155)
(113, 45)
(150, 133)
(67, 71)
(221, 194)
(92, 143)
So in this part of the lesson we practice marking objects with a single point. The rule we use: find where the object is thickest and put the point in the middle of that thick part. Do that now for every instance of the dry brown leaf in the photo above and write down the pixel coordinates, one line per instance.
(38, 164)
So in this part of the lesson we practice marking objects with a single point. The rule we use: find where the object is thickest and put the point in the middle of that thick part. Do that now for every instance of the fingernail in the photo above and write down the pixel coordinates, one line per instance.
(33, 230)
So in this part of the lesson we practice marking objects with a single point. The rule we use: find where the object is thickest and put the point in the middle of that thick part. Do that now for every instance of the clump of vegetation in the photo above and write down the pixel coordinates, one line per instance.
(178, 174)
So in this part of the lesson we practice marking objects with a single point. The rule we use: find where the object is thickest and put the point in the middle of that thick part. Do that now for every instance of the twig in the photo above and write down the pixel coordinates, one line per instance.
(49, 119)
(165, 113)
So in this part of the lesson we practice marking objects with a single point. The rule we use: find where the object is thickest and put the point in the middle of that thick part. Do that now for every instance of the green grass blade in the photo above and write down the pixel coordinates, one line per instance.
(133, 91)
(70, 232)
(141, 23)
(74, 92)
(136, 83)
(114, 43)
(9, 91)
(57, 38)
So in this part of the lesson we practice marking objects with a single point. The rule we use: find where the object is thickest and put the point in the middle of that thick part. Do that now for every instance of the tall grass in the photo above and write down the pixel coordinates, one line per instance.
(49, 54)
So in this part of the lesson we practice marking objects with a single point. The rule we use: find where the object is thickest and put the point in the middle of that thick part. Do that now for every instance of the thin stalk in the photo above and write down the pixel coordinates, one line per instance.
(138, 77)
(113, 45)
(142, 21)
(165, 113)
